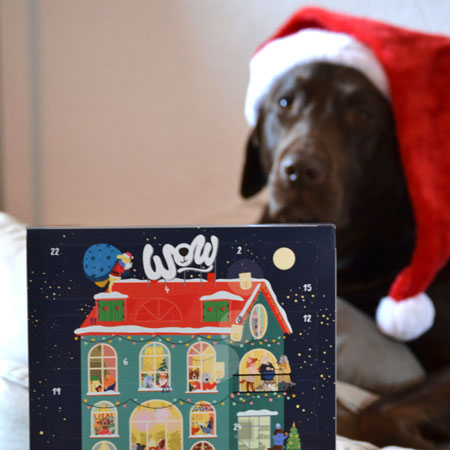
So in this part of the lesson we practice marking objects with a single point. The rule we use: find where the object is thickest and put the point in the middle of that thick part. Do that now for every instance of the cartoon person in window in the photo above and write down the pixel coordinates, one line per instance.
(194, 382)
(208, 428)
(106, 424)
(161, 446)
(207, 383)
(284, 374)
(147, 381)
(267, 371)
(109, 382)
(164, 382)
(251, 376)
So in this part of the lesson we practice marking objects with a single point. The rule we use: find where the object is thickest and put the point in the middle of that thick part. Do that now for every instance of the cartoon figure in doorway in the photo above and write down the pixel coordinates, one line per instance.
(279, 436)
(252, 374)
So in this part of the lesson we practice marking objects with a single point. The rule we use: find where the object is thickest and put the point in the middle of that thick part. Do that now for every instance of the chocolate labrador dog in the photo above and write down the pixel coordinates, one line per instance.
(325, 146)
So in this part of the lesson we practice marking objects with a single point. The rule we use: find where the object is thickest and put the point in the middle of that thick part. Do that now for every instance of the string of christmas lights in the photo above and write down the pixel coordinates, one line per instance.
(238, 396)
(193, 338)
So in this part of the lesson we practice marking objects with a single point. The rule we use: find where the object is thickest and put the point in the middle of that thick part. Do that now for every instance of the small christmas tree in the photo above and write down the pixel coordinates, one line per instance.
(293, 442)
(163, 366)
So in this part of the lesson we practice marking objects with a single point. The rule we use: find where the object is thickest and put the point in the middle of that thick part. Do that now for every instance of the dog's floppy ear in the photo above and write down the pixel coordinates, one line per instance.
(254, 177)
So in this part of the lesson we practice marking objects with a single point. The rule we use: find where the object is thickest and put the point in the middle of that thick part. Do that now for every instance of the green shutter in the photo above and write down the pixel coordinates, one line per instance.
(216, 311)
(111, 311)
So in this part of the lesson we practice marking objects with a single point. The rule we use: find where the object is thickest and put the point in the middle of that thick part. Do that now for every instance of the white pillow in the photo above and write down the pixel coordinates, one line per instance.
(13, 292)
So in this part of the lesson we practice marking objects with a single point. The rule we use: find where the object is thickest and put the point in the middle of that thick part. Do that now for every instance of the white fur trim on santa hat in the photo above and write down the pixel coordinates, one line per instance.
(307, 46)
(407, 319)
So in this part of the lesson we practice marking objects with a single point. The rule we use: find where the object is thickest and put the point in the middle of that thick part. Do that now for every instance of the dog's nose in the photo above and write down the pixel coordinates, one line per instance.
(302, 169)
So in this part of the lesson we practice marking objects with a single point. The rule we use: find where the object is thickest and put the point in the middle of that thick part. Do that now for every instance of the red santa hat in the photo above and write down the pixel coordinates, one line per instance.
(412, 70)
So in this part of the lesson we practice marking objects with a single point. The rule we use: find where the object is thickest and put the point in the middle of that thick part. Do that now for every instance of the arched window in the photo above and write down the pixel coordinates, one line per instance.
(258, 321)
(102, 370)
(202, 446)
(202, 368)
(156, 424)
(258, 371)
(203, 420)
(104, 420)
(104, 445)
(154, 364)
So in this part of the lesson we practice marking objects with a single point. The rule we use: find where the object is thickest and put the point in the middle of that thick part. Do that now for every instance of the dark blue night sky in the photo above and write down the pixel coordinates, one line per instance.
(60, 297)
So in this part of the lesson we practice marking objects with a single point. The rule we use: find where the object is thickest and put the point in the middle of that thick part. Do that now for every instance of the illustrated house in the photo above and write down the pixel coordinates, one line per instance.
(183, 364)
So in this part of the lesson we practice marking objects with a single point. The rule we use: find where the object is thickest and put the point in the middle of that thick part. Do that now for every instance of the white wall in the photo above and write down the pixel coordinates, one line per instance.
(122, 112)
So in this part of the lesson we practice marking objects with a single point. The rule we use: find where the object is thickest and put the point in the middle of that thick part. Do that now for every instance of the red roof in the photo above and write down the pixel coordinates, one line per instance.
(176, 307)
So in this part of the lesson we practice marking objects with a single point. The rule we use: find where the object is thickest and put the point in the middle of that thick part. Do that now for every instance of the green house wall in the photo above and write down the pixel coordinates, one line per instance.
(228, 352)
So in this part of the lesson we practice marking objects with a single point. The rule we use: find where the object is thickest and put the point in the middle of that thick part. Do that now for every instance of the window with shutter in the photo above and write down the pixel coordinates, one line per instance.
(111, 311)
(217, 311)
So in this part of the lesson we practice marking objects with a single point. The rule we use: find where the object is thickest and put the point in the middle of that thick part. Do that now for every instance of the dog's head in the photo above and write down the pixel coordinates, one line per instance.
(323, 137)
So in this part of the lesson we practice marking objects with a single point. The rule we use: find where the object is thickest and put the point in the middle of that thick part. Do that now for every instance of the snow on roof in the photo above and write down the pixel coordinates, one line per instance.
(222, 295)
(257, 412)
(281, 309)
(248, 303)
(173, 280)
(109, 296)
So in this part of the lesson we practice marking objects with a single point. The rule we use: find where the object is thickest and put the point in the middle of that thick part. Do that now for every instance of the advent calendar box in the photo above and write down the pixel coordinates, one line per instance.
(211, 338)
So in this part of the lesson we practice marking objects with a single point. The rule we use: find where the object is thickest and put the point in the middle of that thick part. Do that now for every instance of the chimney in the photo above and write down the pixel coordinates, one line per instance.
(245, 280)
(211, 277)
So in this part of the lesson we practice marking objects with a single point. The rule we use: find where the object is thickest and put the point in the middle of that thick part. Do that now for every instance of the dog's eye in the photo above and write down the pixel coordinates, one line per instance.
(285, 102)
(364, 115)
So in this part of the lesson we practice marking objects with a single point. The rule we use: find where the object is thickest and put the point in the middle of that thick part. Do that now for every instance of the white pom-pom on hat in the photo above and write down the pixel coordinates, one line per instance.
(407, 319)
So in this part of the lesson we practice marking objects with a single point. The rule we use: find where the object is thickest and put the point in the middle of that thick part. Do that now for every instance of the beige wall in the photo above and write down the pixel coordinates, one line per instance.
(122, 112)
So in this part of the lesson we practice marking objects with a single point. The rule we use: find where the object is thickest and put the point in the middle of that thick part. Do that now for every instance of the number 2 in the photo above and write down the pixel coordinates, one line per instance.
(239, 251)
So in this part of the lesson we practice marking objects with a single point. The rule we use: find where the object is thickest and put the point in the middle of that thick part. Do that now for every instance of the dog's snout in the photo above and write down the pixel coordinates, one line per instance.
(305, 169)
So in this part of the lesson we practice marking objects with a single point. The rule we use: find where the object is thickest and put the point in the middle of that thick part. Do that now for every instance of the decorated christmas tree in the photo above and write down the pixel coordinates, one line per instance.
(293, 442)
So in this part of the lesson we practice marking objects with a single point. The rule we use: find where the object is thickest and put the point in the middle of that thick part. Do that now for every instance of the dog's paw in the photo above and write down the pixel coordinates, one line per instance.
(389, 424)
